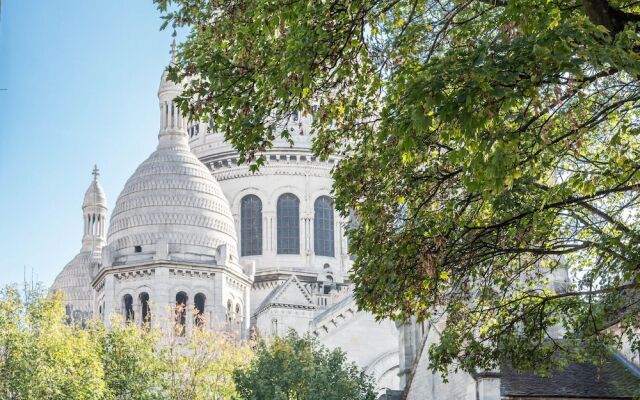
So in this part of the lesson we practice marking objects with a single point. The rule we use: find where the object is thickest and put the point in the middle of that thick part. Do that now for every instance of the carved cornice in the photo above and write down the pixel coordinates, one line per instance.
(191, 273)
(135, 274)
(99, 286)
(335, 316)
(291, 170)
(235, 283)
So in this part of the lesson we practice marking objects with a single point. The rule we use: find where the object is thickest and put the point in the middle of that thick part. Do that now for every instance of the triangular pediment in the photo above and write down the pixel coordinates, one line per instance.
(291, 294)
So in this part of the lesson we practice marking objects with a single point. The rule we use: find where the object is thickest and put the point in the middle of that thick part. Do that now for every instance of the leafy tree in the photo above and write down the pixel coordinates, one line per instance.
(299, 368)
(41, 357)
(201, 366)
(132, 360)
(486, 145)
(160, 362)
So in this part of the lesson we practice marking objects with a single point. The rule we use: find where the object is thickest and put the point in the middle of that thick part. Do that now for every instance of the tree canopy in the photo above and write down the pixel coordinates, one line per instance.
(42, 357)
(486, 145)
(299, 368)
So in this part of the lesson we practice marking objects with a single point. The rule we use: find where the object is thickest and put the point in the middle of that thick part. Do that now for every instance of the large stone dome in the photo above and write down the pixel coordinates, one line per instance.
(171, 200)
(171, 208)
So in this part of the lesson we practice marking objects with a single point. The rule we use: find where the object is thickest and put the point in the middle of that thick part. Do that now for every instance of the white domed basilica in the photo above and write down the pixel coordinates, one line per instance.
(260, 251)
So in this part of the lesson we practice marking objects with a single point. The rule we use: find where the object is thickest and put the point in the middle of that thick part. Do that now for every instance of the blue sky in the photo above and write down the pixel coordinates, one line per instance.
(82, 78)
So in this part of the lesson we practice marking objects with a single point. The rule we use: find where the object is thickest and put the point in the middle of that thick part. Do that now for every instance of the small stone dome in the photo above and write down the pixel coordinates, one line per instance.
(167, 85)
(74, 282)
(95, 196)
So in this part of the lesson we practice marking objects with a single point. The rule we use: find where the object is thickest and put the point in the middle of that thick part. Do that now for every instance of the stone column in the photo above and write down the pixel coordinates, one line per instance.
(161, 301)
(408, 348)
(111, 304)
(137, 310)
(244, 333)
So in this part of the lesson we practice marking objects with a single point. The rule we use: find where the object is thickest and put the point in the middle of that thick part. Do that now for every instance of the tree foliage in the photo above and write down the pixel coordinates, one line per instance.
(40, 356)
(486, 144)
(133, 362)
(202, 368)
(44, 358)
(299, 368)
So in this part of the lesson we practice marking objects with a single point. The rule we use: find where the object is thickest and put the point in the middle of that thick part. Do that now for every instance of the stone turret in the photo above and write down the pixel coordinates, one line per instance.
(74, 281)
(94, 212)
(172, 240)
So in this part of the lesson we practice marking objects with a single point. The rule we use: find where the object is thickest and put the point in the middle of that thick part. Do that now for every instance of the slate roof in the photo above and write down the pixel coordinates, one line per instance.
(613, 380)
(391, 395)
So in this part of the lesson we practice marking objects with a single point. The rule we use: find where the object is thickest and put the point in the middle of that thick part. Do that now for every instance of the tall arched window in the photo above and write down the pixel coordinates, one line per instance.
(323, 244)
(229, 311)
(250, 225)
(127, 301)
(238, 315)
(199, 301)
(181, 313)
(145, 309)
(288, 224)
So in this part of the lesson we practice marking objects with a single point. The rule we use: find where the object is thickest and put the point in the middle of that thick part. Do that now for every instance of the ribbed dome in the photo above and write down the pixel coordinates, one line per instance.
(74, 281)
(171, 199)
(171, 208)
(94, 196)
(166, 84)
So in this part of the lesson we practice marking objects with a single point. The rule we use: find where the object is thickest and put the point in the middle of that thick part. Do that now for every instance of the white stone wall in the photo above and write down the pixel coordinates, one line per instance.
(371, 344)
(627, 352)
(288, 170)
(293, 169)
(426, 385)
(163, 281)
(277, 321)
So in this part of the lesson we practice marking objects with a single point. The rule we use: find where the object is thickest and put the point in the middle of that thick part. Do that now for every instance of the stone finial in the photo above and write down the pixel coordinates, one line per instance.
(174, 51)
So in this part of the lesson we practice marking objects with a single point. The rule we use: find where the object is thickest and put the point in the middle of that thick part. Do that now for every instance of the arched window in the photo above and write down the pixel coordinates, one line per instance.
(127, 301)
(229, 311)
(238, 315)
(323, 227)
(250, 225)
(145, 309)
(181, 313)
(199, 301)
(288, 224)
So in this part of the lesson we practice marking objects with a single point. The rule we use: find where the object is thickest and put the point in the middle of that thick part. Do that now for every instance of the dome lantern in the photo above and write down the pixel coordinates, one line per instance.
(94, 211)
(173, 125)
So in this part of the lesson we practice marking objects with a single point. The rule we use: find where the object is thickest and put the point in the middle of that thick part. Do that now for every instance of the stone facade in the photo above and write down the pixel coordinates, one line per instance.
(193, 228)
(177, 236)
